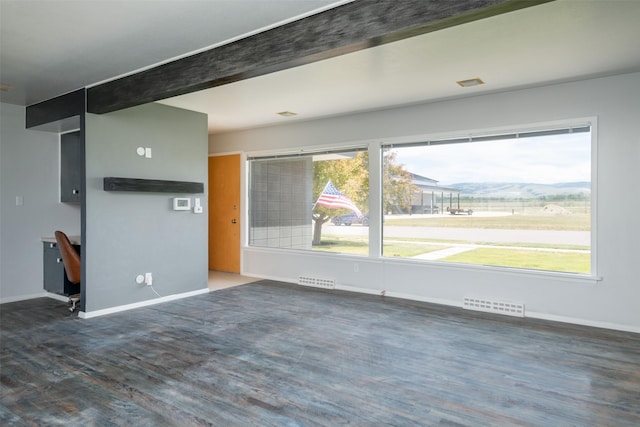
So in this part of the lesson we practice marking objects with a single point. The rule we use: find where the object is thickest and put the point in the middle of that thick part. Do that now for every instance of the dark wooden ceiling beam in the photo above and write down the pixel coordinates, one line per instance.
(55, 109)
(347, 28)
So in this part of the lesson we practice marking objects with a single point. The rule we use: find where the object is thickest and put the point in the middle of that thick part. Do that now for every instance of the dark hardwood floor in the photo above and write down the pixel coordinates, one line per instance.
(273, 354)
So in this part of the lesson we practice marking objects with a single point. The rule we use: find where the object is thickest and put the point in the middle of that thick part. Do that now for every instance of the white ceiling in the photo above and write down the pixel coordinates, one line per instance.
(51, 47)
(559, 41)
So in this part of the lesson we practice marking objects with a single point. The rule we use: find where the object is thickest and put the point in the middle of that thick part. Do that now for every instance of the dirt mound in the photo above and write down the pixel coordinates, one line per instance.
(555, 210)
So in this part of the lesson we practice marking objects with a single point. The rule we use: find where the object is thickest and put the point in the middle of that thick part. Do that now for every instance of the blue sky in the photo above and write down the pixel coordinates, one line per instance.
(543, 160)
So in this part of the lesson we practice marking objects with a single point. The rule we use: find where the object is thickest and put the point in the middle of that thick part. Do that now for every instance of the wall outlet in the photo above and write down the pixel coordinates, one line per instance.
(139, 279)
(148, 279)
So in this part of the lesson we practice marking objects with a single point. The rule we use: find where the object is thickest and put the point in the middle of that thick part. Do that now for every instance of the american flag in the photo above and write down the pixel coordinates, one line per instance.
(331, 197)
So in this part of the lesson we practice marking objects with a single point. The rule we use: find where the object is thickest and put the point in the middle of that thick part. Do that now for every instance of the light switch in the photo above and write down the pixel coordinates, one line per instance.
(19, 200)
(197, 207)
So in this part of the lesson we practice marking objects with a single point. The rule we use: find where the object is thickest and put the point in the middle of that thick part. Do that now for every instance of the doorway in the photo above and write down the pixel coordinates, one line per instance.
(224, 213)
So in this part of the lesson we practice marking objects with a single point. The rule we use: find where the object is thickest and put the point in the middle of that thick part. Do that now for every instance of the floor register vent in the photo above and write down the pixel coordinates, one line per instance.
(499, 307)
(317, 282)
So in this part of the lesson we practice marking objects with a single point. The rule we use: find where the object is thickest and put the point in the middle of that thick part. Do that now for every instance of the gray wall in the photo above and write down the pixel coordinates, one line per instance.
(133, 233)
(29, 167)
(610, 302)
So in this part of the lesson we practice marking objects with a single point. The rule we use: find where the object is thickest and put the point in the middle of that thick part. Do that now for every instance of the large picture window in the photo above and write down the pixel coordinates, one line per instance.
(313, 201)
(519, 200)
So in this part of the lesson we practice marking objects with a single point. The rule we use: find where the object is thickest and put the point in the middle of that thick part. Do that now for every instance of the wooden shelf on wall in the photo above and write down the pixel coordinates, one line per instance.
(152, 185)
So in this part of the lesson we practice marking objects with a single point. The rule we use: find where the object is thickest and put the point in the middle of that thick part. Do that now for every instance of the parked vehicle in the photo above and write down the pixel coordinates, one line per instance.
(351, 218)
(456, 211)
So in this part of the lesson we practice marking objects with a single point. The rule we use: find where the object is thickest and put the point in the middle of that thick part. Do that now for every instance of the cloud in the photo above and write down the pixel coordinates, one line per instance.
(544, 160)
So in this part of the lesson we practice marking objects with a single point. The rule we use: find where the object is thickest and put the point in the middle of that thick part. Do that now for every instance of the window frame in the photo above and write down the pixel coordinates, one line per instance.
(375, 147)
(533, 129)
(292, 154)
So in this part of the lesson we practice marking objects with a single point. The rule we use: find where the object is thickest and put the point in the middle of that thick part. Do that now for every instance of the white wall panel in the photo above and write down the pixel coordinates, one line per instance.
(610, 302)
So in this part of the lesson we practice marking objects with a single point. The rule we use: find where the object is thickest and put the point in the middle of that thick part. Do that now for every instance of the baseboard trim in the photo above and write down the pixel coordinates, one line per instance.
(24, 297)
(583, 322)
(400, 295)
(268, 277)
(117, 309)
(528, 314)
(57, 297)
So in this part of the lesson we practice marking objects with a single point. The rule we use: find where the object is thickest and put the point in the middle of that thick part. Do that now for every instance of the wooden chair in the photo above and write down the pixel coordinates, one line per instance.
(71, 261)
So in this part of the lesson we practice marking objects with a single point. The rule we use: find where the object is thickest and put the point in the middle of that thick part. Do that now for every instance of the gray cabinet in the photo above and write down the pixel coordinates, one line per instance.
(71, 167)
(55, 278)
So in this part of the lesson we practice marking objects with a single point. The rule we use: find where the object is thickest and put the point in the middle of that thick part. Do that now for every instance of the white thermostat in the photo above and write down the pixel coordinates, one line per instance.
(181, 203)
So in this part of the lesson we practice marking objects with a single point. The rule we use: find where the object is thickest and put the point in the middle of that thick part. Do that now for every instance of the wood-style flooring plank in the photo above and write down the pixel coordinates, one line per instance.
(275, 354)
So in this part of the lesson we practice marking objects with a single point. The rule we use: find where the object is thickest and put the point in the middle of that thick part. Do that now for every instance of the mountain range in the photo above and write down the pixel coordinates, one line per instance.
(521, 190)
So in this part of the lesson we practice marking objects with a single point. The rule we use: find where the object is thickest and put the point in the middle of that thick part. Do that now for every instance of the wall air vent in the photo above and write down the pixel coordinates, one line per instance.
(316, 282)
(489, 306)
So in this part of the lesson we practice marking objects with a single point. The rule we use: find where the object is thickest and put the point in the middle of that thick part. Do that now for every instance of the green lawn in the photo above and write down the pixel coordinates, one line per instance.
(573, 222)
(569, 262)
(409, 250)
(473, 242)
(508, 255)
(360, 246)
(338, 245)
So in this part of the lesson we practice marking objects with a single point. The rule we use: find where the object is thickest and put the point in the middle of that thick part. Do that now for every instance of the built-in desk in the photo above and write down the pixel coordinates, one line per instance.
(54, 277)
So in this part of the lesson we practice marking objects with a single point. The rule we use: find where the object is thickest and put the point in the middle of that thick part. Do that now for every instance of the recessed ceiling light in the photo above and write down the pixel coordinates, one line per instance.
(5, 87)
(287, 113)
(470, 82)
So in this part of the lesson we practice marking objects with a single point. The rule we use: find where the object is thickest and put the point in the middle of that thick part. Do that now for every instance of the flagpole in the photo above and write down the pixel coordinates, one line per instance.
(320, 195)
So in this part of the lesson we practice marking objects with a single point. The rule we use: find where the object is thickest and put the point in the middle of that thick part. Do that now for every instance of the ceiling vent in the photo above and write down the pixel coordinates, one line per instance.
(470, 82)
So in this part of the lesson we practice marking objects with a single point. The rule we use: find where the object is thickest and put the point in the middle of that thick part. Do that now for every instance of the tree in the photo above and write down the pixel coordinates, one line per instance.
(351, 177)
(397, 186)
